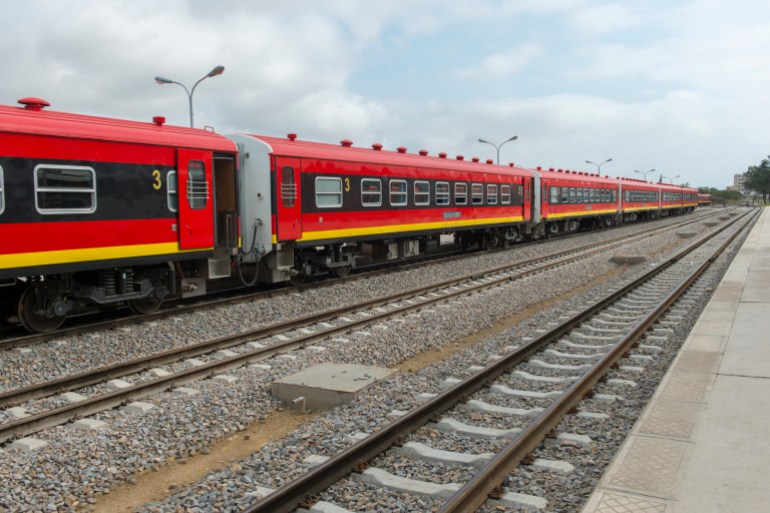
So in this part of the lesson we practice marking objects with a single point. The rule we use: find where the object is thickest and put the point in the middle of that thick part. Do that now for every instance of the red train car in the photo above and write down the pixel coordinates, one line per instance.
(334, 204)
(572, 200)
(93, 210)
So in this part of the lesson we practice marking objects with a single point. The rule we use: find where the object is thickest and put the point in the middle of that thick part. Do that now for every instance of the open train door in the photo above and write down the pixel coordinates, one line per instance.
(289, 208)
(196, 217)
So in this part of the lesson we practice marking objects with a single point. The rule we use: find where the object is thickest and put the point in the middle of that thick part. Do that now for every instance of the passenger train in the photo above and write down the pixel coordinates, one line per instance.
(97, 212)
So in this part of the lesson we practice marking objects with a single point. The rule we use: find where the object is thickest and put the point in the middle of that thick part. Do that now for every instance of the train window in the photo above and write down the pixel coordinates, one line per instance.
(477, 194)
(572, 195)
(421, 193)
(579, 195)
(592, 195)
(328, 192)
(491, 194)
(564, 195)
(461, 194)
(554, 198)
(197, 186)
(371, 192)
(398, 196)
(172, 191)
(288, 187)
(65, 189)
(2, 192)
(505, 194)
(442, 193)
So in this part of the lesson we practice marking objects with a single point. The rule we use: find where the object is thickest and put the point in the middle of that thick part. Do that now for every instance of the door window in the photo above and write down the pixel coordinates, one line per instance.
(197, 186)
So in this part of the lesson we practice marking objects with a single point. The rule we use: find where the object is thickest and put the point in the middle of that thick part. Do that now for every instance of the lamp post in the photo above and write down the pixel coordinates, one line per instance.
(645, 173)
(218, 70)
(599, 165)
(497, 146)
(671, 178)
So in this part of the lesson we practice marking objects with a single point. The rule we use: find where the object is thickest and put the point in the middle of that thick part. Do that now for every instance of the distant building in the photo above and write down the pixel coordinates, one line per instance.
(739, 181)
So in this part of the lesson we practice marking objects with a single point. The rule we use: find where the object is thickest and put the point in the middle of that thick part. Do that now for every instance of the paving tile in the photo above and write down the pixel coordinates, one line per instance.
(670, 419)
(686, 386)
(612, 502)
(647, 466)
(698, 361)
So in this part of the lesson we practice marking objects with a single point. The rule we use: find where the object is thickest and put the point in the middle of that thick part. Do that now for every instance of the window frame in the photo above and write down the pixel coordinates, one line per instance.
(505, 192)
(405, 192)
(422, 202)
(491, 194)
(64, 211)
(442, 198)
(288, 188)
(194, 197)
(172, 193)
(463, 195)
(329, 179)
(371, 204)
(2, 191)
(477, 196)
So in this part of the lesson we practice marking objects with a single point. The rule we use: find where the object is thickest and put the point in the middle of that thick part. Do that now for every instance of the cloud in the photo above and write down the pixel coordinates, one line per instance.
(504, 64)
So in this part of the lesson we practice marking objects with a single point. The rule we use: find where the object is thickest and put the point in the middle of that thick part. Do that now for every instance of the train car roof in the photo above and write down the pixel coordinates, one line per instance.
(34, 119)
(583, 176)
(346, 152)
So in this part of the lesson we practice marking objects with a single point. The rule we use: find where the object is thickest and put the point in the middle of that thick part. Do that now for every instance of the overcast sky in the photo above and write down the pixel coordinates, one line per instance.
(681, 87)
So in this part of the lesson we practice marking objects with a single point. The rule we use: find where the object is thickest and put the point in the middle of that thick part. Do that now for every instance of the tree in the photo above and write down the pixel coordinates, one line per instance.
(721, 196)
(758, 178)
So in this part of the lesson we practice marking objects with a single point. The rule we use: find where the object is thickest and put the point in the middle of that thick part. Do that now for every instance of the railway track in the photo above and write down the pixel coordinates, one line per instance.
(111, 320)
(605, 332)
(229, 352)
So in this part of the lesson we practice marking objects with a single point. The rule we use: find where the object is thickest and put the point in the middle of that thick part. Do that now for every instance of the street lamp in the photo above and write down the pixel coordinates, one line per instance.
(599, 165)
(645, 173)
(214, 72)
(670, 178)
(497, 146)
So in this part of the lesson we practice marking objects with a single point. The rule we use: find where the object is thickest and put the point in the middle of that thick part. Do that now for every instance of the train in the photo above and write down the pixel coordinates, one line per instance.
(705, 200)
(98, 212)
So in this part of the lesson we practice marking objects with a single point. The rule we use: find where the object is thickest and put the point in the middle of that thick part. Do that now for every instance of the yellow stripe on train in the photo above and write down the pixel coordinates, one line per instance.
(68, 256)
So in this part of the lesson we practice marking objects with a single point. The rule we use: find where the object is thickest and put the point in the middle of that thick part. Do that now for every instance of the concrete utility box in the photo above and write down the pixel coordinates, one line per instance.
(327, 385)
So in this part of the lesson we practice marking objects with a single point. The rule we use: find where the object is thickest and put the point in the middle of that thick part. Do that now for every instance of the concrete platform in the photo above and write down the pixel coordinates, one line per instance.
(703, 443)
(326, 386)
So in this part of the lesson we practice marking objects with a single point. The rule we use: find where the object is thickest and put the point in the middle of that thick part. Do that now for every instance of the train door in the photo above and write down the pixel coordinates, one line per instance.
(288, 204)
(196, 218)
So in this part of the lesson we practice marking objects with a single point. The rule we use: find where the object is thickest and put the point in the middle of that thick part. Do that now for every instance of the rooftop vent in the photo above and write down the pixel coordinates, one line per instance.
(460, 157)
(424, 153)
(347, 143)
(292, 137)
(34, 103)
(377, 146)
(490, 161)
(401, 149)
(475, 159)
(159, 120)
(442, 155)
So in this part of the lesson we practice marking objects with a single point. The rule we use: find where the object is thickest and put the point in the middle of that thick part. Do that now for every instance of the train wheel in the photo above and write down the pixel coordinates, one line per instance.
(341, 272)
(145, 305)
(33, 319)
(298, 279)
